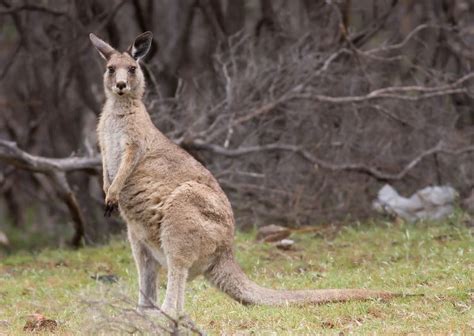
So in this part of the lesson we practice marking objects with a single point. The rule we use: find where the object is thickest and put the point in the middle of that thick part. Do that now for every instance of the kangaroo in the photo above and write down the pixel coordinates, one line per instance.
(177, 215)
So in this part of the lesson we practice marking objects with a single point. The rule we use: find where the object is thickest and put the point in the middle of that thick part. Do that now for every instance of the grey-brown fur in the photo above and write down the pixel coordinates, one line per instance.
(177, 214)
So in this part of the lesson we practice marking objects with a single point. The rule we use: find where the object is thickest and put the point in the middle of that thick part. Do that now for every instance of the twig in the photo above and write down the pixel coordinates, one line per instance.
(359, 167)
(379, 94)
(69, 198)
(190, 325)
(10, 60)
(10, 153)
(123, 308)
(56, 170)
(34, 8)
(405, 40)
(365, 36)
(393, 92)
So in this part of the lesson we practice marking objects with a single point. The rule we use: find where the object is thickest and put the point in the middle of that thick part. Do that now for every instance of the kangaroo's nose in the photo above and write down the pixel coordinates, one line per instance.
(121, 85)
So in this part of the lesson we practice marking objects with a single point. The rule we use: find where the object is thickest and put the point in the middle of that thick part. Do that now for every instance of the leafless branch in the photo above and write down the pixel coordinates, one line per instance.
(69, 198)
(56, 170)
(407, 39)
(364, 36)
(385, 93)
(10, 153)
(127, 318)
(401, 93)
(358, 167)
(33, 8)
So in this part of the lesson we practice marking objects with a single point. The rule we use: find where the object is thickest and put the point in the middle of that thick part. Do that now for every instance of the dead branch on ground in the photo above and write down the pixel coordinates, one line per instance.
(56, 170)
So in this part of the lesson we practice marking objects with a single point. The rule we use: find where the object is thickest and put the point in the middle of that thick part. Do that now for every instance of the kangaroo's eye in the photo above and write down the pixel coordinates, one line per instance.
(111, 69)
(132, 69)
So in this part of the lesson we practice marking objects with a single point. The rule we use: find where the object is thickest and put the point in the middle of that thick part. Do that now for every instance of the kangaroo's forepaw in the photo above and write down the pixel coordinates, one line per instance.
(110, 208)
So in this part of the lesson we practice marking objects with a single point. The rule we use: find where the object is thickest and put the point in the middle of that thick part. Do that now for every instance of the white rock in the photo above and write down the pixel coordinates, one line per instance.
(429, 203)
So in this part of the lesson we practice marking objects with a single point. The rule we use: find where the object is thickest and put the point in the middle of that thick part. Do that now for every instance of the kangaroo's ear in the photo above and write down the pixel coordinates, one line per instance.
(141, 46)
(104, 49)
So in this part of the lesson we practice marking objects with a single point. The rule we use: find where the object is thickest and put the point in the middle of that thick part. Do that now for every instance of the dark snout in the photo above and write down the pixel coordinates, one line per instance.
(121, 85)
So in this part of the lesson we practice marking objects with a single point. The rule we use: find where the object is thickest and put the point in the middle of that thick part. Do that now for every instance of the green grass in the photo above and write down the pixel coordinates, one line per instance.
(434, 259)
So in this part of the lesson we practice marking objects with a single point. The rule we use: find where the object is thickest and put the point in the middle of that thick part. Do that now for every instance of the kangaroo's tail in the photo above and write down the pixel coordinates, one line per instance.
(227, 275)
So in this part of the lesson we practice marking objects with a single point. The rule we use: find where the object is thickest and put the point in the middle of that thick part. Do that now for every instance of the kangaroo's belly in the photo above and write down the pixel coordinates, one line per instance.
(141, 205)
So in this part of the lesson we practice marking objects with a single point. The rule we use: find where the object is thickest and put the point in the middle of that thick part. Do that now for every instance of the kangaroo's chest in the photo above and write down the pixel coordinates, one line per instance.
(113, 140)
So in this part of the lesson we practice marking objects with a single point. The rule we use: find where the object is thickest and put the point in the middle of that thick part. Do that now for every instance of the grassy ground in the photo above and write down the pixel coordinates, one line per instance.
(436, 259)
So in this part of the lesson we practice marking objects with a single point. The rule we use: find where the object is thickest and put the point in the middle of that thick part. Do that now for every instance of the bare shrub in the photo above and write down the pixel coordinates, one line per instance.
(116, 313)
(302, 109)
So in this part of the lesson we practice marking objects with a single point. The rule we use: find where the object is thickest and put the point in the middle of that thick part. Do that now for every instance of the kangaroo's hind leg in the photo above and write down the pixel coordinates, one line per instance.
(193, 226)
(147, 268)
(174, 298)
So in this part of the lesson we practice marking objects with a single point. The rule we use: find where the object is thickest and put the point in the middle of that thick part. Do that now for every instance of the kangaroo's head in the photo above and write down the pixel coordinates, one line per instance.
(123, 76)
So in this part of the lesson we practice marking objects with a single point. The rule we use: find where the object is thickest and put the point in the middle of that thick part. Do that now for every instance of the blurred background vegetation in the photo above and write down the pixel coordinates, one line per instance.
(302, 109)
